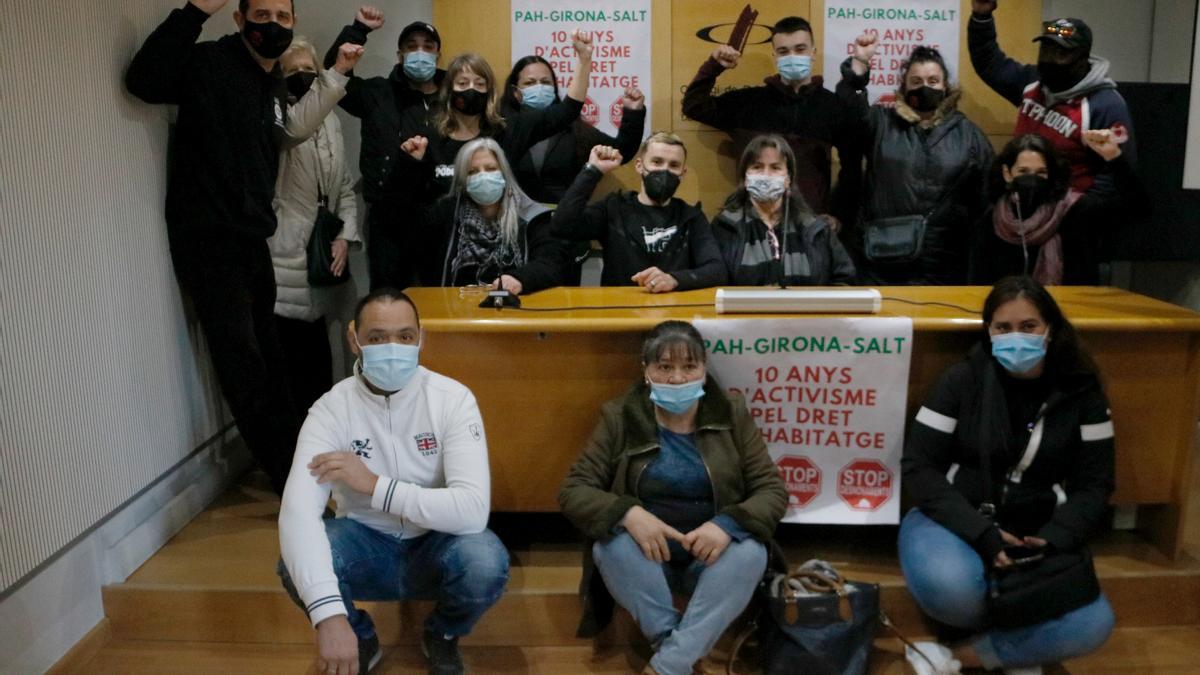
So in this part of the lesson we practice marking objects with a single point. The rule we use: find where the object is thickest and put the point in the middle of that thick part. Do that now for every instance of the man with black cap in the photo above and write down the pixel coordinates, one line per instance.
(1066, 93)
(380, 103)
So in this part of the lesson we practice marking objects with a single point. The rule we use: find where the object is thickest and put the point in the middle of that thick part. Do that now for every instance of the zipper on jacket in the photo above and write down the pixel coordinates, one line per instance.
(638, 481)
(387, 404)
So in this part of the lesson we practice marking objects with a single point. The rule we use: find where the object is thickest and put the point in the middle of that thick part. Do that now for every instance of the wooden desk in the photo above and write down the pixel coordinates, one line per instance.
(541, 376)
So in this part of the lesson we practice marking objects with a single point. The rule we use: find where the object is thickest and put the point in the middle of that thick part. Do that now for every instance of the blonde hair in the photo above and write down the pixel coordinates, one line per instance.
(664, 137)
(443, 118)
(301, 45)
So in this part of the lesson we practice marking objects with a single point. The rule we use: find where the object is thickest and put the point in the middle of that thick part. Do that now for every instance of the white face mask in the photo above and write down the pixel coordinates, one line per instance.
(764, 188)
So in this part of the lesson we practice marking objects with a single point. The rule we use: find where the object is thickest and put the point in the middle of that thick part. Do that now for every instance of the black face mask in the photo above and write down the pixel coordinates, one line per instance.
(1031, 191)
(469, 101)
(660, 185)
(1059, 77)
(299, 83)
(925, 99)
(269, 39)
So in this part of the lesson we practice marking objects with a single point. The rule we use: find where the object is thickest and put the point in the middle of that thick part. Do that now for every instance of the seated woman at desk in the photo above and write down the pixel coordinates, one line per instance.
(767, 234)
(678, 492)
(487, 231)
(1010, 461)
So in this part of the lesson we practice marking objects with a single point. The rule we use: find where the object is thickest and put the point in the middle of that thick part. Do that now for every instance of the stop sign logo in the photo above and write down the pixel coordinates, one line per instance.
(865, 484)
(801, 477)
(590, 112)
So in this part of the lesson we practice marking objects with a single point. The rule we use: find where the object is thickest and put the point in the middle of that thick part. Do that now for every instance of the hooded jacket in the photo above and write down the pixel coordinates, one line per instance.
(691, 256)
(812, 120)
(1068, 482)
(380, 103)
(1061, 117)
(602, 484)
(815, 256)
(317, 163)
(936, 168)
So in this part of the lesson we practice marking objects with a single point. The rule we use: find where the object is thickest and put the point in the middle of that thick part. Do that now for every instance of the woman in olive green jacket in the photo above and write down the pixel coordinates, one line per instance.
(678, 492)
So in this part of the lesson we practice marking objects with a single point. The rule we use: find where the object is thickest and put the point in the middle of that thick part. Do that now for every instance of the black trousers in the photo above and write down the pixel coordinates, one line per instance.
(232, 286)
(308, 360)
(390, 254)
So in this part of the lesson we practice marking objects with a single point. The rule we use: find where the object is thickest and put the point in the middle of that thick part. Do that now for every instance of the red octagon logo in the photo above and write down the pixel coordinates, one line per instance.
(616, 112)
(802, 478)
(590, 112)
(865, 484)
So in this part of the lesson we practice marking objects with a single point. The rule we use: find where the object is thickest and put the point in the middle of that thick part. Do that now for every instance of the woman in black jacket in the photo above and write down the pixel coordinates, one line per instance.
(1010, 457)
(487, 231)
(1037, 226)
(767, 233)
(926, 167)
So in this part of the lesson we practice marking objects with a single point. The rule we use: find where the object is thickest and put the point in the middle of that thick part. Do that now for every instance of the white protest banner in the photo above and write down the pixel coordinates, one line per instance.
(830, 397)
(901, 25)
(620, 31)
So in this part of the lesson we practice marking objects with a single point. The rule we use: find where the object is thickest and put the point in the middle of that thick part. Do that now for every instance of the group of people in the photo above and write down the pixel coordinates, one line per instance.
(470, 182)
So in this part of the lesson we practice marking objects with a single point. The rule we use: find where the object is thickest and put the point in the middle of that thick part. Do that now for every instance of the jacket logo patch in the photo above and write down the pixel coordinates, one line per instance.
(278, 114)
(443, 171)
(362, 448)
(427, 444)
(476, 432)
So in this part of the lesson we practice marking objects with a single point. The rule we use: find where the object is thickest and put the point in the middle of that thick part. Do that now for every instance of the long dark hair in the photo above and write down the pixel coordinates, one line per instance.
(740, 199)
(508, 101)
(1059, 172)
(1065, 355)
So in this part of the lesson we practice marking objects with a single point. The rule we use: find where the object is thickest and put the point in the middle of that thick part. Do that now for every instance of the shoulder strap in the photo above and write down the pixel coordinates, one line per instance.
(952, 189)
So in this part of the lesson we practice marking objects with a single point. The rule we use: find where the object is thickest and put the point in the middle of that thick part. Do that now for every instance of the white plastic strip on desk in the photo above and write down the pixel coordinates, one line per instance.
(798, 300)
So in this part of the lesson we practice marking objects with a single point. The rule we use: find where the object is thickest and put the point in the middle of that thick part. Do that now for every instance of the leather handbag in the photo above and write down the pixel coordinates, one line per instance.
(326, 229)
(901, 239)
(813, 621)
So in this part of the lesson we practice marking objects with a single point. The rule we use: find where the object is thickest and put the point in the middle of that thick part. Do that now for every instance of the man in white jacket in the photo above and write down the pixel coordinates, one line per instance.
(403, 452)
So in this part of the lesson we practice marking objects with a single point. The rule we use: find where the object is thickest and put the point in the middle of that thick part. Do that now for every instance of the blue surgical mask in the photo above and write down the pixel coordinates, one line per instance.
(486, 187)
(537, 96)
(676, 398)
(794, 68)
(420, 66)
(1019, 353)
(389, 366)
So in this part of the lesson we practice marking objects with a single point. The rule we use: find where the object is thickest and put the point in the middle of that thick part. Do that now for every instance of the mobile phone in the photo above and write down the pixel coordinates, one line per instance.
(1023, 555)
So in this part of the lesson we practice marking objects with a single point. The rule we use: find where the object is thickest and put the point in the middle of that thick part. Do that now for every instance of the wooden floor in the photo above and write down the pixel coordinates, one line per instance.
(209, 602)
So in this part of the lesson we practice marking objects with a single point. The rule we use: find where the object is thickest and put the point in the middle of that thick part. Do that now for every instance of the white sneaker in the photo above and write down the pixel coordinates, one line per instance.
(1027, 670)
(933, 659)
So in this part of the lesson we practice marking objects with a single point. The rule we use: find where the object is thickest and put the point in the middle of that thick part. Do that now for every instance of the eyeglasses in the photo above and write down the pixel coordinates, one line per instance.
(1062, 30)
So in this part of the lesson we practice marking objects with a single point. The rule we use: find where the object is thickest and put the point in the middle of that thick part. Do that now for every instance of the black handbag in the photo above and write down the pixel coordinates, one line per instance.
(813, 621)
(1044, 589)
(320, 243)
(901, 239)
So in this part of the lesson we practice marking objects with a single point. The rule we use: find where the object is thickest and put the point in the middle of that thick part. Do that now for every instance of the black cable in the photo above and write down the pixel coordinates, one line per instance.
(931, 303)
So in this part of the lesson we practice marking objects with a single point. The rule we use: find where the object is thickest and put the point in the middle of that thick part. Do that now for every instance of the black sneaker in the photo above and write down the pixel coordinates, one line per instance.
(442, 652)
(369, 654)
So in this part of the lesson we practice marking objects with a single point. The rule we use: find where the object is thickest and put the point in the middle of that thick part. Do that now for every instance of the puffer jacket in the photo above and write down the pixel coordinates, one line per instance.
(323, 156)
(915, 167)
(815, 255)
(602, 485)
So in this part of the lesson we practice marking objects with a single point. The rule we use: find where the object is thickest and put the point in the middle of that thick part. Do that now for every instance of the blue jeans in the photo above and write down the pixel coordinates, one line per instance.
(947, 579)
(464, 574)
(719, 593)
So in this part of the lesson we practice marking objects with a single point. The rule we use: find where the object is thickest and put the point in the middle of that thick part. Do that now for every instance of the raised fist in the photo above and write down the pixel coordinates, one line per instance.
(209, 7)
(415, 147)
(347, 58)
(727, 56)
(983, 7)
(605, 158)
(633, 99)
(865, 46)
(583, 45)
(371, 17)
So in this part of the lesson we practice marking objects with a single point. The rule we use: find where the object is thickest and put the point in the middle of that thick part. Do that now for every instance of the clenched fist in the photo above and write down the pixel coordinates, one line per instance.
(983, 7)
(1104, 142)
(604, 157)
(371, 17)
(415, 147)
(727, 56)
(633, 99)
(582, 42)
(209, 7)
(347, 58)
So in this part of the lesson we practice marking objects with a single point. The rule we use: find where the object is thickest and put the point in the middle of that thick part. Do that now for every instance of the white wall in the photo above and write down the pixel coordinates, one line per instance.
(104, 386)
